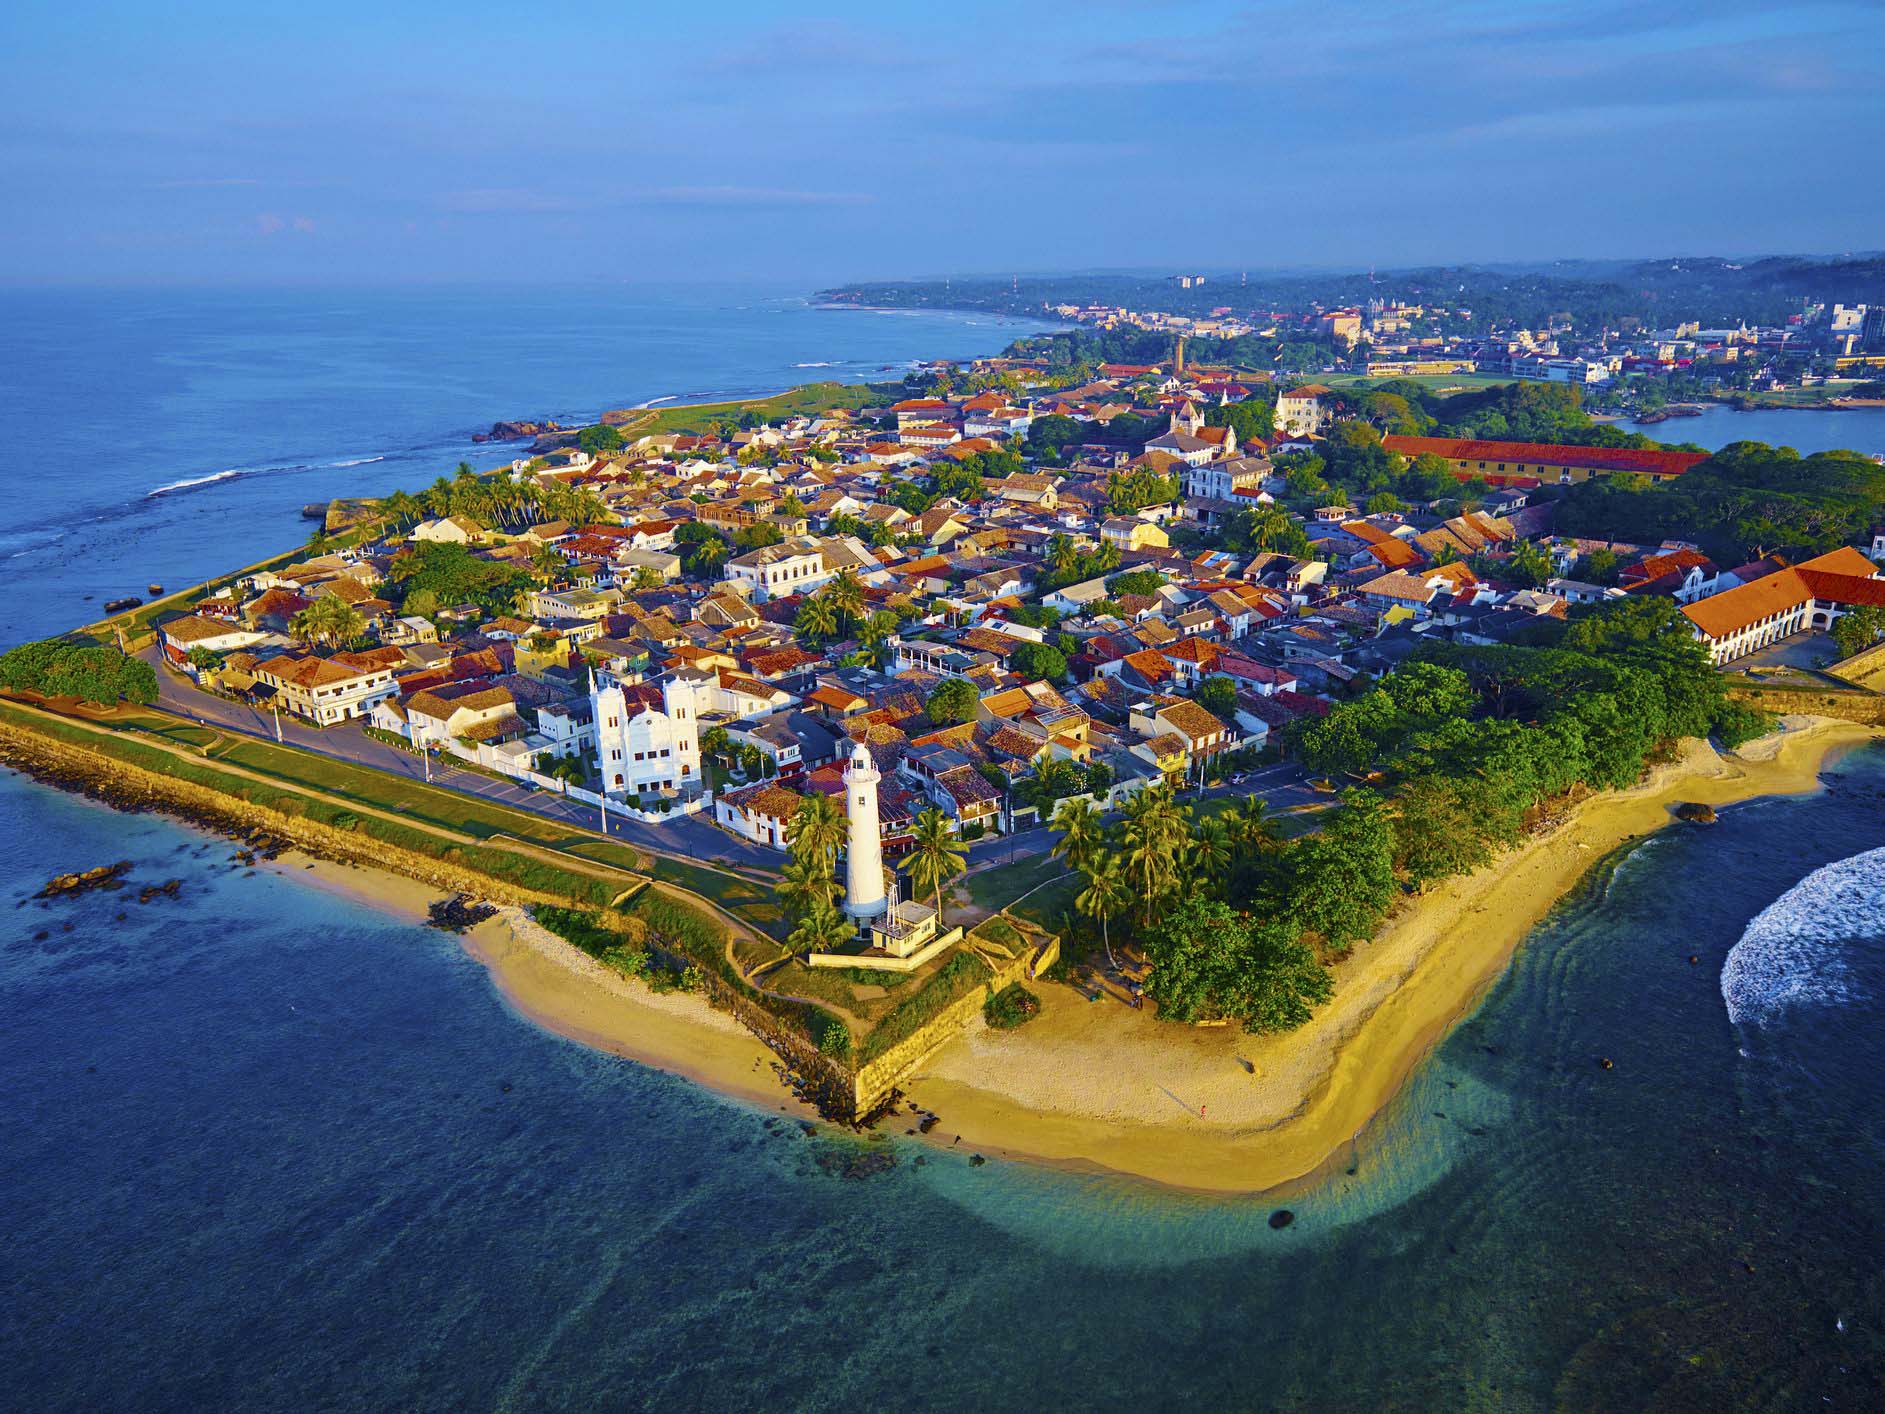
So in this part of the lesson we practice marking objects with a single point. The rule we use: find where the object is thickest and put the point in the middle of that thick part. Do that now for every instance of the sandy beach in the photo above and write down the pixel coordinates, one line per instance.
(1099, 1086)
(560, 988)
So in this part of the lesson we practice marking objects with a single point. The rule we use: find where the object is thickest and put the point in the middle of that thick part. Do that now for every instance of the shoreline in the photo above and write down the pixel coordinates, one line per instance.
(558, 988)
(1097, 1088)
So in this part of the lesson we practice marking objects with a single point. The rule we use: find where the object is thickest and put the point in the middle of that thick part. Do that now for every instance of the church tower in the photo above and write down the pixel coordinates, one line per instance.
(864, 854)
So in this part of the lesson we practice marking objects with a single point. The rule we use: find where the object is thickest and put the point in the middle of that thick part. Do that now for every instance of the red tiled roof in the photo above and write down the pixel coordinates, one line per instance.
(1627, 459)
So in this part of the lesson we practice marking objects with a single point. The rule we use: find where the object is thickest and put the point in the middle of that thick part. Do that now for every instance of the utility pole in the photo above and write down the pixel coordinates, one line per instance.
(275, 707)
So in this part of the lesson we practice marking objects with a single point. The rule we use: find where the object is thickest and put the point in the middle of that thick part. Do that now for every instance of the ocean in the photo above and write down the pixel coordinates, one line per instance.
(268, 1148)
(169, 436)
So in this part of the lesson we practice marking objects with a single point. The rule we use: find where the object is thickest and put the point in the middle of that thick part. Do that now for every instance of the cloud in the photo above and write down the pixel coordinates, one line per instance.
(270, 223)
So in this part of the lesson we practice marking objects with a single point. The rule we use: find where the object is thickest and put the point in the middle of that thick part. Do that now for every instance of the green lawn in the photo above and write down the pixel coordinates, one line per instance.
(537, 872)
(810, 399)
(994, 889)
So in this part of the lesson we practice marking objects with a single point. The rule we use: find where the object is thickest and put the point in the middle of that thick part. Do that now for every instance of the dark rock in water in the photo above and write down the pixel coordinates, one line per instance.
(1696, 813)
(1606, 1063)
(856, 1164)
(101, 877)
(1281, 1218)
(976, 1161)
(459, 912)
(928, 1122)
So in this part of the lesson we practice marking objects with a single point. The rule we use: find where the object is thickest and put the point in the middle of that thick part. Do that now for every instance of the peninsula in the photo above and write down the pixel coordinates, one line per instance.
(1135, 764)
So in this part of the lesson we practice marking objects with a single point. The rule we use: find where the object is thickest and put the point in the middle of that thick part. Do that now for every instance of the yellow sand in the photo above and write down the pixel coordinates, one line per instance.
(562, 989)
(1097, 1085)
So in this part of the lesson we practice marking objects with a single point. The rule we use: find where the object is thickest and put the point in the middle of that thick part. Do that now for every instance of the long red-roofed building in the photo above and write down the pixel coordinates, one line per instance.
(1469, 457)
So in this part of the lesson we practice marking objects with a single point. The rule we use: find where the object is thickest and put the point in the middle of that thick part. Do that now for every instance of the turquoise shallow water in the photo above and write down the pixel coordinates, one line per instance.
(264, 1147)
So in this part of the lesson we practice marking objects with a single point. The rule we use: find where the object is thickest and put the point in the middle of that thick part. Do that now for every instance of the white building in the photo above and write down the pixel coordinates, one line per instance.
(775, 571)
(1301, 411)
(642, 747)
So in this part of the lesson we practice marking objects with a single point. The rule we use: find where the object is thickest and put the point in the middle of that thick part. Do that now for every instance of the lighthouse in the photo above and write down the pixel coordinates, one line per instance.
(864, 854)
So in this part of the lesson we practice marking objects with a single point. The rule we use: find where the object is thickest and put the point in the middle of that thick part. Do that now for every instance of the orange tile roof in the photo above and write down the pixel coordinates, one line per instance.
(1627, 459)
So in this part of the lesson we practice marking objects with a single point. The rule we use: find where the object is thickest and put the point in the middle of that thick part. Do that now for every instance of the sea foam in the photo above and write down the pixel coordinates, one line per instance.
(1793, 953)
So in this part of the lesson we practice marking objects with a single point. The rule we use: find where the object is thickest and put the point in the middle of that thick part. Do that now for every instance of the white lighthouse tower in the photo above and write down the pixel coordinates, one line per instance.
(864, 854)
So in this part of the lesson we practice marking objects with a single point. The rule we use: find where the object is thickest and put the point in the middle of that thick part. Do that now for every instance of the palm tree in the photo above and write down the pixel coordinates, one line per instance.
(1105, 897)
(822, 929)
(935, 856)
(1251, 829)
(546, 564)
(817, 831)
(804, 886)
(874, 633)
(817, 619)
(1210, 853)
(1082, 830)
(1152, 845)
(708, 555)
(328, 619)
(847, 596)
(438, 498)
(402, 509)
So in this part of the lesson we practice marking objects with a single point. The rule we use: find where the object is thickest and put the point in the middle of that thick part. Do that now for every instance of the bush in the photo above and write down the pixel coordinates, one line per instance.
(1737, 723)
(1011, 1006)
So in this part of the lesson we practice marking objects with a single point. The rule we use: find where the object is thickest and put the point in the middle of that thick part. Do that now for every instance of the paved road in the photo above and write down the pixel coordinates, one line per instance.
(690, 837)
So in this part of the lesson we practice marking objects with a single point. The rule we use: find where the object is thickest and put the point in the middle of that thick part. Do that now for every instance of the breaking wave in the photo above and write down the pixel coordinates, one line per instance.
(1793, 953)
(190, 481)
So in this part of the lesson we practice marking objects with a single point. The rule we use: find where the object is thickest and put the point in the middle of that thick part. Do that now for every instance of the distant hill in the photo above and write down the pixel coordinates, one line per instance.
(1712, 289)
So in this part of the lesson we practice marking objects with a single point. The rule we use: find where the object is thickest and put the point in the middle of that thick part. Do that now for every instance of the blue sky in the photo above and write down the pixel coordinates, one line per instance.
(407, 141)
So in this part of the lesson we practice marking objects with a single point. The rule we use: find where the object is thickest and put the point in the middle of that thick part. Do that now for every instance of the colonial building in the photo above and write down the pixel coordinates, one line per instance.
(1806, 596)
(646, 738)
(1468, 457)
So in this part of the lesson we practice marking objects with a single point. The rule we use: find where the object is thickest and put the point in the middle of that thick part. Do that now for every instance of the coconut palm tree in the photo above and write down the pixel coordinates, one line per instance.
(328, 619)
(402, 509)
(1251, 829)
(1105, 896)
(803, 886)
(1210, 853)
(847, 597)
(817, 619)
(708, 555)
(935, 856)
(1152, 844)
(817, 831)
(546, 564)
(874, 633)
(1082, 829)
(822, 929)
(438, 498)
